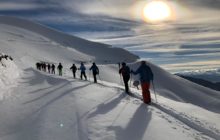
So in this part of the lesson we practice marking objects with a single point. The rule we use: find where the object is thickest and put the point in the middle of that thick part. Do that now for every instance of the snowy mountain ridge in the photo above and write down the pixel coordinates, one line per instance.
(52, 107)
(65, 40)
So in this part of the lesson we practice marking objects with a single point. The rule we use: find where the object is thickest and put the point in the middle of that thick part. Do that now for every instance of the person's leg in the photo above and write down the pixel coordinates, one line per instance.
(85, 76)
(95, 79)
(126, 79)
(126, 87)
(145, 92)
(81, 75)
(74, 74)
(60, 72)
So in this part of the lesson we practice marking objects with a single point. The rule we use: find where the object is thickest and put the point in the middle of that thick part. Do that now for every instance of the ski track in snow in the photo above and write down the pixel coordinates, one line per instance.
(188, 122)
(204, 130)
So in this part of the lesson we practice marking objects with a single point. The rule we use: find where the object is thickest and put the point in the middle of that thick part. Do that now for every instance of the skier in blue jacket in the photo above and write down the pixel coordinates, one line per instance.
(146, 75)
(83, 71)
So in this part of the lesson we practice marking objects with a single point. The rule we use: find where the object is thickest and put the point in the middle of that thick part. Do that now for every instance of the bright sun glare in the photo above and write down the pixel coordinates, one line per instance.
(157, 11)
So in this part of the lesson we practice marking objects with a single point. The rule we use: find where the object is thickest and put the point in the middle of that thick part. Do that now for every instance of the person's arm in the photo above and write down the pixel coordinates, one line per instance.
(136, 72)
(91, 68)
(120, 70)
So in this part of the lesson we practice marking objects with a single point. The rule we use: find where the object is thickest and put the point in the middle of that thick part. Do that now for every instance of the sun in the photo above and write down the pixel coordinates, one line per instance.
(157, 11)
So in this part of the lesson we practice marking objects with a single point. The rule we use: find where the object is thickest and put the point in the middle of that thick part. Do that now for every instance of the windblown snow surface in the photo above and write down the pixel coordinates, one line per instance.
(35, 105)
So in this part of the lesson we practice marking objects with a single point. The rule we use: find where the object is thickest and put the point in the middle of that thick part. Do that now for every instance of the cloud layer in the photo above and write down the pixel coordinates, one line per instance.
(190, 42)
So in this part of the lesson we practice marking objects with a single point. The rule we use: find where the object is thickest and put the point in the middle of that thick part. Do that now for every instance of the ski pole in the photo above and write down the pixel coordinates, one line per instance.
(121, 80)
(100, 79)
(119, 67)
(89, 74)
(154, 91)
(130, 79)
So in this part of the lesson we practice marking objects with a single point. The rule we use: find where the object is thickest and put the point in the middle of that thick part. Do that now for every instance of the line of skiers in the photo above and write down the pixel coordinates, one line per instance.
(144, 71)
(146, 76)
(42, 66)
(82, 68)
(51, 69)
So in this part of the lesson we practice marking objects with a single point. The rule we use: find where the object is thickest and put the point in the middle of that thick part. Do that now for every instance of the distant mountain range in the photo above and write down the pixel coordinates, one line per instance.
(202, 82)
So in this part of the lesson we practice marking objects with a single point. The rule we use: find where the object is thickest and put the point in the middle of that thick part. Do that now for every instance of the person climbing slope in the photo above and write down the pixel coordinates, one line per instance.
(74, 69)
(83, 71)
(95, 71)
(53, 69)
(60, 68)
(146, 75)
(125, 72)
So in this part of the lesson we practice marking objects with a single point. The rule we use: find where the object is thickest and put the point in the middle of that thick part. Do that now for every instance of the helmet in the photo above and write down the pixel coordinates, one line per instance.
(123, 63)
(143, 62)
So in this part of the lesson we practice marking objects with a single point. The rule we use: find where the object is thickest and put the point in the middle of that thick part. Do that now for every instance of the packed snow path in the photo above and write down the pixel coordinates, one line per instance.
(46, 107)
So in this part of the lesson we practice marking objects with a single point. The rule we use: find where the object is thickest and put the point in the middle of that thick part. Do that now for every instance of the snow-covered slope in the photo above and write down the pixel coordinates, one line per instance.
(8, 77)
(81, 47)
(44, 106)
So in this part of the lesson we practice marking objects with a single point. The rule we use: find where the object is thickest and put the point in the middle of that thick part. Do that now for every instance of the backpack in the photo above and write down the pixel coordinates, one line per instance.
(95, 70)
(136, 83)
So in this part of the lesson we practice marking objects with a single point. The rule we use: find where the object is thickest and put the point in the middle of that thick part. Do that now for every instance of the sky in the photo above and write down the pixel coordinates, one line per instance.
(189, 41)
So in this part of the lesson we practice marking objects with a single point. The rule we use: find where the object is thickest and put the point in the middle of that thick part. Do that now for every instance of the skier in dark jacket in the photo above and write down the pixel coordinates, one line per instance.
(38, 66)
(146, 75)
(48, 67)
(53, 69)
(83, 71)
(60, 68)
(125, 71)
(74, 69)
(95, 71)
(44, 66)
